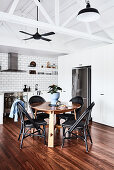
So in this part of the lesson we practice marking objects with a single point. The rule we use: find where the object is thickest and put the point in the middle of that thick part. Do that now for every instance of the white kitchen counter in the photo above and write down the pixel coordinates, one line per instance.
(1, 107)
(27, 96)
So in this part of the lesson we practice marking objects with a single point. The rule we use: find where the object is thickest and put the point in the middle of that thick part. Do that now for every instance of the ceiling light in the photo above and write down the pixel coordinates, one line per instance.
(88, 14)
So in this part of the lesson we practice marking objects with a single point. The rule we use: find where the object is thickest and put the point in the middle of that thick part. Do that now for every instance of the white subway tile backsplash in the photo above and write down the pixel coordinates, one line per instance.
(15, 81)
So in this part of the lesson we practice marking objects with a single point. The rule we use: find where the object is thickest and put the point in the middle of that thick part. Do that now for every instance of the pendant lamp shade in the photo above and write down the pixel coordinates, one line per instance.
(88, 14)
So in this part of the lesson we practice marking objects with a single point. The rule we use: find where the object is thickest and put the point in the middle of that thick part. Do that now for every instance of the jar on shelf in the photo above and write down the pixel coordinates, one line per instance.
(53, 66)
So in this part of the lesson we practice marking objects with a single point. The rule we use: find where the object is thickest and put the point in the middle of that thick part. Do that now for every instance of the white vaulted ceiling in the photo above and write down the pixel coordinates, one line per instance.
(69, 32)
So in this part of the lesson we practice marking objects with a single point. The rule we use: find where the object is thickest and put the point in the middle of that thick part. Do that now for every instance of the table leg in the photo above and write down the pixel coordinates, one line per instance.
(51, 130)
(75, 113)
(35, 114)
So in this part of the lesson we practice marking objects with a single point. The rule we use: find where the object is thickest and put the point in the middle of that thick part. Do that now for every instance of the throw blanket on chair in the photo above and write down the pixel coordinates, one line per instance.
(14, 110)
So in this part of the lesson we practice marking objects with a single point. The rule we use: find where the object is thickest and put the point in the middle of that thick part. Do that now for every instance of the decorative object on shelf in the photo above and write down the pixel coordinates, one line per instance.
(53, 66)
(40, 72)
(48, 73)
(54, 72)
(53, 89)
(38, 36)
(32, 64)
(48, 65)
(88, 14)
(32, 71)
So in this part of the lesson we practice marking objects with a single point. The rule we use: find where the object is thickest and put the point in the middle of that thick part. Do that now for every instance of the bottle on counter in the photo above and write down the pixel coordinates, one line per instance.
(25, 88)
(29, 89)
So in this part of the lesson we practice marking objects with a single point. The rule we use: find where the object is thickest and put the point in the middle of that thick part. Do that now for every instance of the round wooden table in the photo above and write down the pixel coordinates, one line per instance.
(51, 110)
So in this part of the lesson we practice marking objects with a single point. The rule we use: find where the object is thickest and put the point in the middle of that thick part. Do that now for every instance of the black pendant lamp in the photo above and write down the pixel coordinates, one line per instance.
(88, 14)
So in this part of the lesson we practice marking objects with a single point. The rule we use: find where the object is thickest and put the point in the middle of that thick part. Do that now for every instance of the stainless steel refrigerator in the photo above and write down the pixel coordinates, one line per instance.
(81, 84)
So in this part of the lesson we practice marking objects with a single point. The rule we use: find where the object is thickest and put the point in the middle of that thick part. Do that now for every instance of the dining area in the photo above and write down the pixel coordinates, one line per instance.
(45, 119)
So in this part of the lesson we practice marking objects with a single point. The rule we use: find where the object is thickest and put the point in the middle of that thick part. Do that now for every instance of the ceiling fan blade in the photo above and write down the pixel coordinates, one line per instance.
(25, 33)
(48, 33)
(28, 38)
(46, 39)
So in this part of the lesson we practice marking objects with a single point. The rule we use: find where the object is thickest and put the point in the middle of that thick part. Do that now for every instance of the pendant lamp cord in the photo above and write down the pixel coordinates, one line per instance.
(87, 1)
(87, 4)
(37, 16)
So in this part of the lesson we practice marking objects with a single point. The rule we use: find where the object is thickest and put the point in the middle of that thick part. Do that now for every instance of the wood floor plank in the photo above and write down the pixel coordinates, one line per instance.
(35, 155)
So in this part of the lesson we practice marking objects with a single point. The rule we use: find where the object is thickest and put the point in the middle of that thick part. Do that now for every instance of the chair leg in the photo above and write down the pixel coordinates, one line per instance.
(39, 132)
(20, 132)
(89, 135)
(22, 138)
(63, 137)
(85, 139)
(69, 135)
(44, 133)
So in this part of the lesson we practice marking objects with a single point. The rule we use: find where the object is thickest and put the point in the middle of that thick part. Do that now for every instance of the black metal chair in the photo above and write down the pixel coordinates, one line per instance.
(81, 124)
(28, 124)
(66, 116)
(38, 99)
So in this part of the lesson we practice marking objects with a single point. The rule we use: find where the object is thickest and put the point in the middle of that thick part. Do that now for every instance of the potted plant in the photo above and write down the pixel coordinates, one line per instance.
(53, 89)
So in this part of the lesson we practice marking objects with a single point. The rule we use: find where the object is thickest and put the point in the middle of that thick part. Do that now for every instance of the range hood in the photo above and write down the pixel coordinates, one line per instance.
(13, 63)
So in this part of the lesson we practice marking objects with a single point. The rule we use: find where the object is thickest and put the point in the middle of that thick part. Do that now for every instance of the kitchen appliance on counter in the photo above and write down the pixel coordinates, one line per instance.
(81, 84)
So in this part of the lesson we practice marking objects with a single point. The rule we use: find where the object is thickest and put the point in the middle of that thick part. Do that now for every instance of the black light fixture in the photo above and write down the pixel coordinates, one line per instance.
(88, 14)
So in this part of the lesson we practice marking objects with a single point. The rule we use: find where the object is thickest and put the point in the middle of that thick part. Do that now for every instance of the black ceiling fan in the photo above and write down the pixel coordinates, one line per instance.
(38, 36)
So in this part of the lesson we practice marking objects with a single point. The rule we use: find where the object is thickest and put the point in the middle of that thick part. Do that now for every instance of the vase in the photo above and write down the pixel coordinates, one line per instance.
(54, 98)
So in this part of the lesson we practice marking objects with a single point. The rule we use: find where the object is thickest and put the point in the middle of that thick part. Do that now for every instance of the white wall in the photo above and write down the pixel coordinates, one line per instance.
(15, 81)
(102, 64)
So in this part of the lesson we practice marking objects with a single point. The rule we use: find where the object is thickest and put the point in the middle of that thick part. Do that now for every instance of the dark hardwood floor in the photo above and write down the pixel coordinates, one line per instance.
(35, 155)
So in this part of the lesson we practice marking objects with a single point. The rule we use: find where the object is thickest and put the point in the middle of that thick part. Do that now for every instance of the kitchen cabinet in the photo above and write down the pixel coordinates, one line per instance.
(102, 89)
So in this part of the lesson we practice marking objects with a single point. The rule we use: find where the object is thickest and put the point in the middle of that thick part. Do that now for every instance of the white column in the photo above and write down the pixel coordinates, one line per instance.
(1, 108)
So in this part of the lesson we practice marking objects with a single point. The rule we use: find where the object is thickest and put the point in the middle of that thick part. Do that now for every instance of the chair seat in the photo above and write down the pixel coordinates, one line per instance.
(42, 116)
(71, 122)
(27, 123)
(66, 116)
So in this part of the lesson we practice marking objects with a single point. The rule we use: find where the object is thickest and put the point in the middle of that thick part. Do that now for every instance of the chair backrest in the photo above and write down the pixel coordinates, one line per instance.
(36, 99)
(23, 113)
(79, 100)
(84, 116)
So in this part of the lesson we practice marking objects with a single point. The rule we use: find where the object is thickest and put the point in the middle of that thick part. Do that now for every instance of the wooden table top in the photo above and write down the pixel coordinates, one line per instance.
(44, 107)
